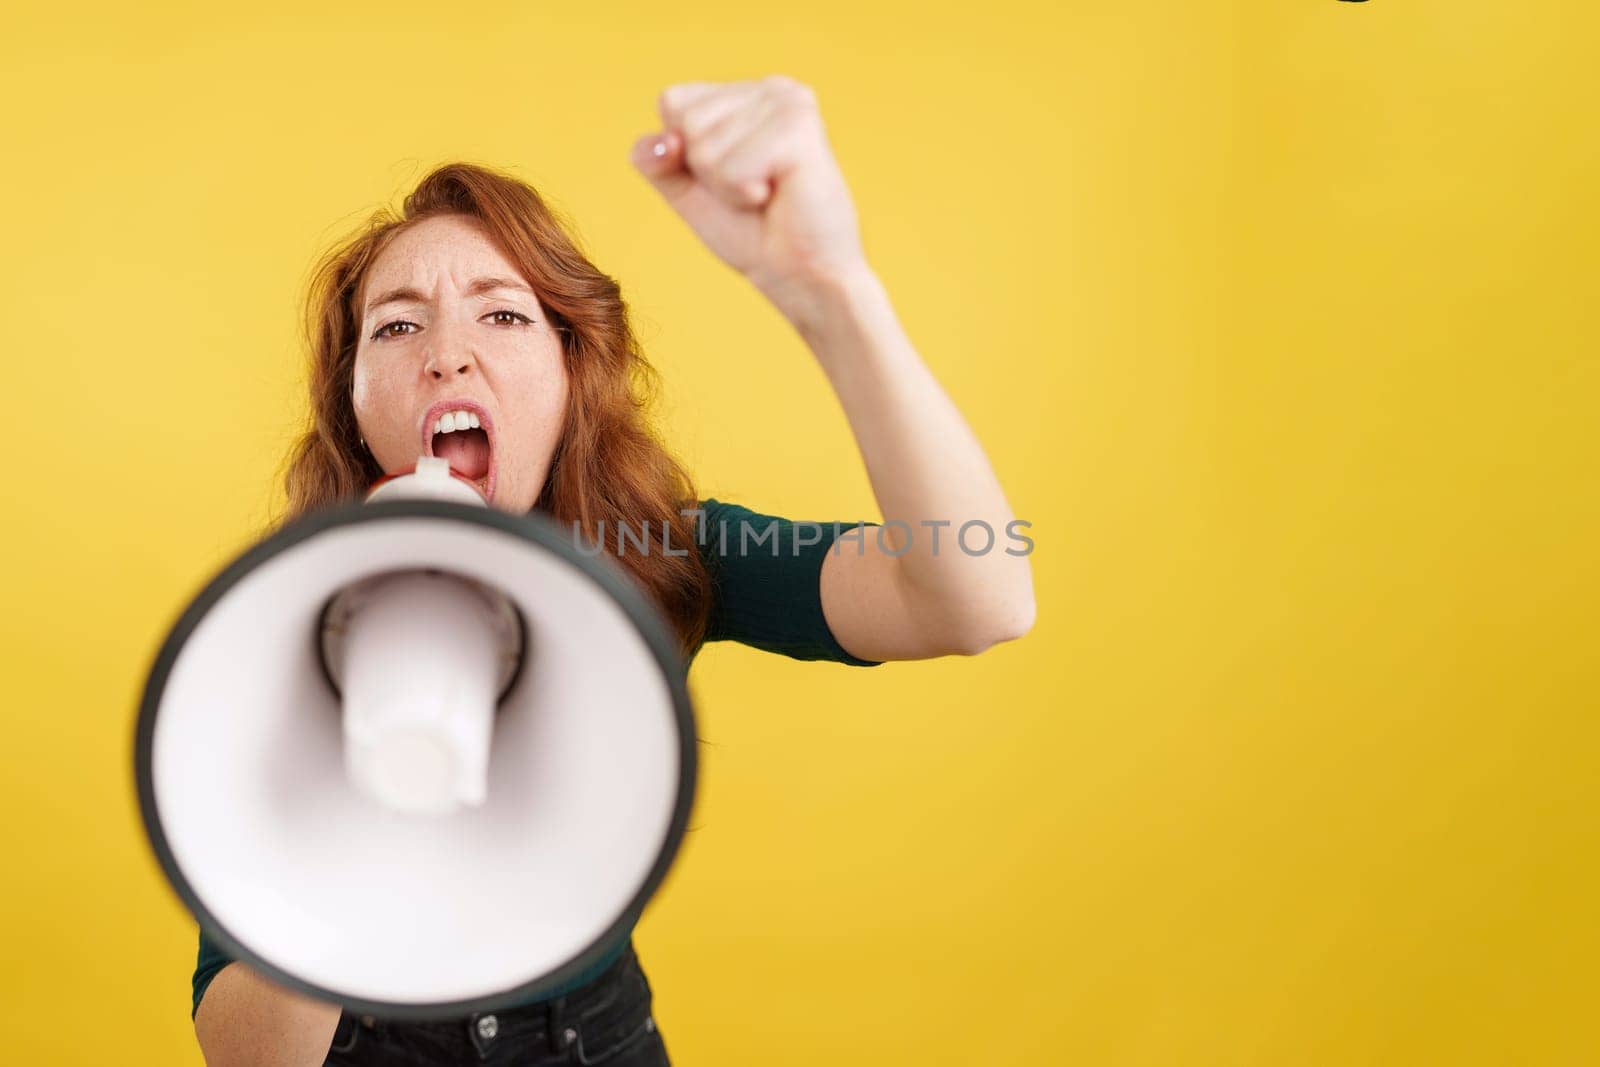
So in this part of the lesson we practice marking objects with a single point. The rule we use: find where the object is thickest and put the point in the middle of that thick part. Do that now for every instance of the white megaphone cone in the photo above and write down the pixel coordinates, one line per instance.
(416, 755)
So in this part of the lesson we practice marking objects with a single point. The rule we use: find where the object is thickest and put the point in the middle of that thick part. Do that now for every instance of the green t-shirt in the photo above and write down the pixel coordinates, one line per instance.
(766, 593)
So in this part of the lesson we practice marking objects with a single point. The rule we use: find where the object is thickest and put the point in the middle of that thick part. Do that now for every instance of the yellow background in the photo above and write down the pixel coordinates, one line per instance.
(1277, 320)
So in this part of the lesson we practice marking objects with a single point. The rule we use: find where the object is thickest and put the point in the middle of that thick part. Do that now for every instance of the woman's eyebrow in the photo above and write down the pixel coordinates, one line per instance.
(478, 286)
(484, 285)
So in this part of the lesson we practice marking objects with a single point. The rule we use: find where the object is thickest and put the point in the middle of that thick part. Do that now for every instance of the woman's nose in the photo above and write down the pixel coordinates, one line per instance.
(443, 361)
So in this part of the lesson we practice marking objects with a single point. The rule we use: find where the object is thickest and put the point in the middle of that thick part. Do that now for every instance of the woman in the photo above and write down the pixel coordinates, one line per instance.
(474, 298)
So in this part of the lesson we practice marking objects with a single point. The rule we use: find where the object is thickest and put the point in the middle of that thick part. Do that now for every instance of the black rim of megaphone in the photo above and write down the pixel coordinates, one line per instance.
(533, 527)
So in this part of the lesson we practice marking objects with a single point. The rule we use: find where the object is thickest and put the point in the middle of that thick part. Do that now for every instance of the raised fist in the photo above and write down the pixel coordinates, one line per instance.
(748, 166)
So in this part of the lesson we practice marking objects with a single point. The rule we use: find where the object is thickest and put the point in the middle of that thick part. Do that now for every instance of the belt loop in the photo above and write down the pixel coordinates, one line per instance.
(559, 1040)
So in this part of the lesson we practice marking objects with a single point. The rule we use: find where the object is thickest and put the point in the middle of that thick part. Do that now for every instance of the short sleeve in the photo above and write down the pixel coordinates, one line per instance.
(208, 962)
(766, 573)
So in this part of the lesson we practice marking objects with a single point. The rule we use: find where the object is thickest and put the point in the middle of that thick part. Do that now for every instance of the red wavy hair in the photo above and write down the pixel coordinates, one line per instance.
(608, 466)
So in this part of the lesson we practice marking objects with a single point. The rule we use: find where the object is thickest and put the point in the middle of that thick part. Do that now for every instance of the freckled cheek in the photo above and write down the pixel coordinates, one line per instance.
(380, 414)
(548, 411)
(536, 410)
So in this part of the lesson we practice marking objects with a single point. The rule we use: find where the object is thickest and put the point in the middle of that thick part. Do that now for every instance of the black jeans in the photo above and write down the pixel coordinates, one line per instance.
(608, 1021)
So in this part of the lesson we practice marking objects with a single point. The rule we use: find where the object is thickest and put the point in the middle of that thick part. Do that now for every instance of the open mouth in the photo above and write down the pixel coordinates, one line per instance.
(461, 433)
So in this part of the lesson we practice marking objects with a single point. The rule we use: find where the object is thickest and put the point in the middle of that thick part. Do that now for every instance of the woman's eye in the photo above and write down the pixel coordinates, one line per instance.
(382, 332)
(514, 315)
(399, 328)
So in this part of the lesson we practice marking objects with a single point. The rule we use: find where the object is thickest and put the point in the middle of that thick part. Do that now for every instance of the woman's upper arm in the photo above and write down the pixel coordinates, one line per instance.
(868, 610)
(815, 590)
(244, 1018)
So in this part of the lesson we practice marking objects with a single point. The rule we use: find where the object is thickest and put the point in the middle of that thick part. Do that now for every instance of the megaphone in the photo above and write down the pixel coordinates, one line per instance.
(417, 756)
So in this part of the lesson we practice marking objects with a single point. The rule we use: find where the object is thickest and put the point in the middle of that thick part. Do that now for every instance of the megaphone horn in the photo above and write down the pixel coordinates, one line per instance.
(415, 755)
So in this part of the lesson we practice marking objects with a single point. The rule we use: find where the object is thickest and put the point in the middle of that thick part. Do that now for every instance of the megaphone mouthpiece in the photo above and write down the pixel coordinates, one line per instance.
(431, 479)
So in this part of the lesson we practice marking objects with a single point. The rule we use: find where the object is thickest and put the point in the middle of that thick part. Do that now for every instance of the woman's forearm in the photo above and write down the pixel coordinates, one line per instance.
(245, 1020)
(925, 464)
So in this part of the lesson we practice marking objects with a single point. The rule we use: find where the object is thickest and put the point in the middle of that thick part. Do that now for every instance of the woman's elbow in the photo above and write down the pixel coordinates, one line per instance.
(1007, 621)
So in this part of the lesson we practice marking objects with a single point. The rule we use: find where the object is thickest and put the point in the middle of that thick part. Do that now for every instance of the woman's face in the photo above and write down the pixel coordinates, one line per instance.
(449, 325)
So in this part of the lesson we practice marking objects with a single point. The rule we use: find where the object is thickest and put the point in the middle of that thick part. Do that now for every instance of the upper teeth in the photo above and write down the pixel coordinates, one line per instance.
(456, 420)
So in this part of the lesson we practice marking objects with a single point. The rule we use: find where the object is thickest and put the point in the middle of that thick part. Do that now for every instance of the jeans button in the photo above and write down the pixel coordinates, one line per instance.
(488, 1026)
